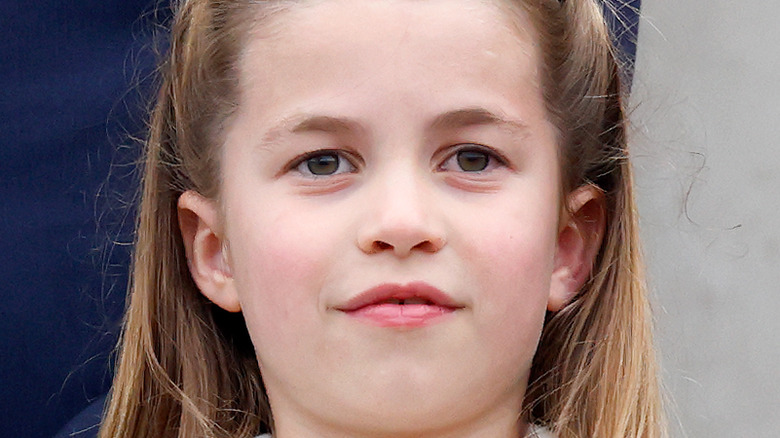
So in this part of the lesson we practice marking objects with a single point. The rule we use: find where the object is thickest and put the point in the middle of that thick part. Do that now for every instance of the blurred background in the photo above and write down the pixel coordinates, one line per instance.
(706, 108)
(74, 82)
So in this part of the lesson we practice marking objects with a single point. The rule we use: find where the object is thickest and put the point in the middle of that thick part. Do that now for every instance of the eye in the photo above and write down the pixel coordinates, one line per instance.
(472, 161)
(323, 163)
(472, 158)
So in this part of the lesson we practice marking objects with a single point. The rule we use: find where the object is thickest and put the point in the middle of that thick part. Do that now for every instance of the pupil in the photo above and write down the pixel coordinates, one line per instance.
(473, 161)
(323, 164)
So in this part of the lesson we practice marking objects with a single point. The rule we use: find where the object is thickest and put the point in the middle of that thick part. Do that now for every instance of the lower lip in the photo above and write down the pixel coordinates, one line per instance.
(401, 315)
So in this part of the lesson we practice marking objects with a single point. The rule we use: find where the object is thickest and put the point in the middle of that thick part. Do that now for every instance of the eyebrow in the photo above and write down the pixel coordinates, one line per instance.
(311, 123)
(476, 116)
(459, 118)
(326, 124)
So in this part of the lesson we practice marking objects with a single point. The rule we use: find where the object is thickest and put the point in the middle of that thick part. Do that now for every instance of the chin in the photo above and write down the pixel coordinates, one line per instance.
(419, 405)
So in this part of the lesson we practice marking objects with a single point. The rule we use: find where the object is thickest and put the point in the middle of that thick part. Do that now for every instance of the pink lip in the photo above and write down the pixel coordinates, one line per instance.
(377, 305)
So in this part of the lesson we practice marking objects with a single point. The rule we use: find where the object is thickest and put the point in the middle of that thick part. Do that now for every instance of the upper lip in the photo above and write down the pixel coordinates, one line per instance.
(393, 291)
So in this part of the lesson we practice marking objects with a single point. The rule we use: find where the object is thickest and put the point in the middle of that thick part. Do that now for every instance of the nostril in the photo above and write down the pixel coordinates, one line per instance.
(402, 246)
(381, 246)
(430, 246)
(427, 246)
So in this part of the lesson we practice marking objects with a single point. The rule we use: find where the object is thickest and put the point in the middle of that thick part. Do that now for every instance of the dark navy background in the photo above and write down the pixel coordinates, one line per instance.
(74, 85)
(71, 92)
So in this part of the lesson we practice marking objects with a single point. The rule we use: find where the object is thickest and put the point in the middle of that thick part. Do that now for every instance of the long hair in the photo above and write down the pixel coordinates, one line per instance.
(595, 370)
(187, 368)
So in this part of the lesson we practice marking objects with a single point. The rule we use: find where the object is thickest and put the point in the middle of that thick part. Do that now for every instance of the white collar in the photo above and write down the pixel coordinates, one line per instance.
(534, 432)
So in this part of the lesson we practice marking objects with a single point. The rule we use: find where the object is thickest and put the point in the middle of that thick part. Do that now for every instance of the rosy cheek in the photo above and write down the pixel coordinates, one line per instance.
(277, 263)
(268, 282)
(512, 260)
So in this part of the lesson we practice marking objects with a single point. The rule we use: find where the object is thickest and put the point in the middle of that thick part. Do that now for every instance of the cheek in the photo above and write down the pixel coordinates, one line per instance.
(516, 275)
(514, 245)
(278, 263)
(512, 260)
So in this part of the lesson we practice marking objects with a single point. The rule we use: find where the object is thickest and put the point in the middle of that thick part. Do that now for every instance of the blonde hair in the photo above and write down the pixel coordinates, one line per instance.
(187, 368)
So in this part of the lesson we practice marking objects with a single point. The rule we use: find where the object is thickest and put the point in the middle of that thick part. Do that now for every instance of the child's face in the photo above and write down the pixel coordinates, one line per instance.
(401, 144)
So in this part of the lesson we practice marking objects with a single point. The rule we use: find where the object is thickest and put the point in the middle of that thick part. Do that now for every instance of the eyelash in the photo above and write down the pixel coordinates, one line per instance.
(303, 166)
(302, 163)
(491, 155)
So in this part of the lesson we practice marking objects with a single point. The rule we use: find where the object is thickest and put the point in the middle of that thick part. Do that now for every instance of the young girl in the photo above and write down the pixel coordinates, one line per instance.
(392, 218)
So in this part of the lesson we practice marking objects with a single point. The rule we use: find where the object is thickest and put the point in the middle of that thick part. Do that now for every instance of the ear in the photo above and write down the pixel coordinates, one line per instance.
(579, 241)
(206, 249)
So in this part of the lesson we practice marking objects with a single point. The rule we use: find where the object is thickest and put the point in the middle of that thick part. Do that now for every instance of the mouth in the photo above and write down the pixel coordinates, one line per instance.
(392, 305)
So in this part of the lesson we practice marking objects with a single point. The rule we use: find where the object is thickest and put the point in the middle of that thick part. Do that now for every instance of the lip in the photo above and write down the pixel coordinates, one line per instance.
(378, 306)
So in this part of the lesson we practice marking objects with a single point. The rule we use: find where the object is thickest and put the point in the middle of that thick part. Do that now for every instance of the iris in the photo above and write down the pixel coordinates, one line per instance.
(326, 164)
(473, 161)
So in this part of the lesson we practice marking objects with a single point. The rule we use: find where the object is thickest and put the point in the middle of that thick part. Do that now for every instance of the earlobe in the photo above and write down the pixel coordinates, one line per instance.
(579, 242)
(206, 249)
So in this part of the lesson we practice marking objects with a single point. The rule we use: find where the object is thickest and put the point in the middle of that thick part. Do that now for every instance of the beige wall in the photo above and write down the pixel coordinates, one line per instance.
(707, 146)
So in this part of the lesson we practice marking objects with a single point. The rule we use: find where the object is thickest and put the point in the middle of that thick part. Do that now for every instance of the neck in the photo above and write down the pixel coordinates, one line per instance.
(500, 423)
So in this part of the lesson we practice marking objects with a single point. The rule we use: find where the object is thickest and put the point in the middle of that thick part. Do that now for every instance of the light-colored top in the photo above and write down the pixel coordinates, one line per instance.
(539, 432)
(534, 432)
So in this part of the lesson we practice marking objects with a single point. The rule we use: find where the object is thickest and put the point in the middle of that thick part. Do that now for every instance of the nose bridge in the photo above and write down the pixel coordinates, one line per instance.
(403, 188)
(402, 213)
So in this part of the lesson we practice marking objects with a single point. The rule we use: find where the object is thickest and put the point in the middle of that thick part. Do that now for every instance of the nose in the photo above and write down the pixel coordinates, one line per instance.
(402, 218)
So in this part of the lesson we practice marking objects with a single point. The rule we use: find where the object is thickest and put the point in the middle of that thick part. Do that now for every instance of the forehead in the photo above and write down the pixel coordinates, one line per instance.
(350, 15)
(343, 28)
(319, 52)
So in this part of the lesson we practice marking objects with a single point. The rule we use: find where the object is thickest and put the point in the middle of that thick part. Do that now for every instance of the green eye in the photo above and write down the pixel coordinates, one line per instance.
(326, 164)
(473, 161)
(323, 163)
